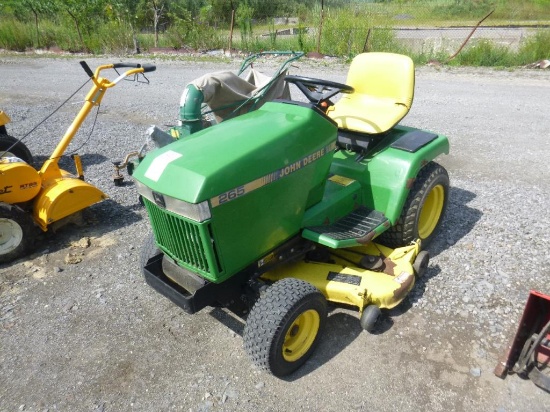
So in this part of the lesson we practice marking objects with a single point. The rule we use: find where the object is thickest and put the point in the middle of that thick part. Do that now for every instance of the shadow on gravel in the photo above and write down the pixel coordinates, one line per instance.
(95, 221)
(416, 293)
(458, 221)
(67, 163)
(341, 329)
(229, 321)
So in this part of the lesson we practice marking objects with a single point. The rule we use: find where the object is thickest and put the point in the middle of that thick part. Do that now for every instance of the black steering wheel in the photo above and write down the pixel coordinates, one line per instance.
(318, 90)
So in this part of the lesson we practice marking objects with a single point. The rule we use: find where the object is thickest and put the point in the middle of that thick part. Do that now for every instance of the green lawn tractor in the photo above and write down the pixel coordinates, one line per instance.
(285, 208)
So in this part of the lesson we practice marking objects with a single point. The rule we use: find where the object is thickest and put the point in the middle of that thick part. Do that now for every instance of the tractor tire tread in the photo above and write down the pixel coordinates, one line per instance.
(404, 231)
(20, 150)
(272, 310)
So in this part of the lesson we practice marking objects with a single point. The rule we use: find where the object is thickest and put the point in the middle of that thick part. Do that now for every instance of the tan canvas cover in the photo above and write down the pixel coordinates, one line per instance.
(225, 91)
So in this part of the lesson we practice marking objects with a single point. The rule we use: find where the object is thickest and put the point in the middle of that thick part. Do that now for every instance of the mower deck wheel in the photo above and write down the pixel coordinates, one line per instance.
(284, 326)
(17, 232)
(421, 263)
(369, 317)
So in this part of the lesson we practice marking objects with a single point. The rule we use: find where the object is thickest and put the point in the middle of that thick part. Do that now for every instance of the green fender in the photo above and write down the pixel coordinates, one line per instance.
(388, 175)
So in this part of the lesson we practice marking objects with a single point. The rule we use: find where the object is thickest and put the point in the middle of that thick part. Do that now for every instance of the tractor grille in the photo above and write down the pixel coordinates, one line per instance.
(187, 242)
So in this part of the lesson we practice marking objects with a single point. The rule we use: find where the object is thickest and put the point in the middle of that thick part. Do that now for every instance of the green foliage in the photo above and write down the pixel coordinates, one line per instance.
(535, 48)
(345, 33)
(349, 26)
(485, 53)
(194, 34)
(67, 39)
(342, 31)
(48, 34)
(15, 35)
(111, 38)
(244, 16)
(464, 8)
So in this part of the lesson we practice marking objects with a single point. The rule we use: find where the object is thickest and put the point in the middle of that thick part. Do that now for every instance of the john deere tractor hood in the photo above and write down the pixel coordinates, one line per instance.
(250, 178)
(267, 144)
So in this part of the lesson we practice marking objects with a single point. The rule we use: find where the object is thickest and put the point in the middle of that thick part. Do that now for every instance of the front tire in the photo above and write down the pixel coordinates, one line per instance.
(424, 209)
(19, 150)
(17, 233)
(284, 326)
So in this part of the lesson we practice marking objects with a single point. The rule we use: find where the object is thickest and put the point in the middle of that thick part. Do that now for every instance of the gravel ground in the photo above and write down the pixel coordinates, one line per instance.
(81, 331)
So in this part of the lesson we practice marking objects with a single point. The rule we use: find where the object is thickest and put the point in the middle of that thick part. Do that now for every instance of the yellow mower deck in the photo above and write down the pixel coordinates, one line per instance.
(346, 283)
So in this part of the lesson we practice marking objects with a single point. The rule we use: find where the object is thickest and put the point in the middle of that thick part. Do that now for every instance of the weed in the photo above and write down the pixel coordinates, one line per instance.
(348, 28)
(15, 35)
(485, 53)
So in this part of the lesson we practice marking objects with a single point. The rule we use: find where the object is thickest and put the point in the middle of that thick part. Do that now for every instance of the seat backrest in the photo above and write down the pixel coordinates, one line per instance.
(383, 75)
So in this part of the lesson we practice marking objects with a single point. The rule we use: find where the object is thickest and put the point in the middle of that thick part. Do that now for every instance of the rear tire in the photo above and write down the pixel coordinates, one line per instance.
(17, 233)
(424, 209)
(19, 150)
(284, 326)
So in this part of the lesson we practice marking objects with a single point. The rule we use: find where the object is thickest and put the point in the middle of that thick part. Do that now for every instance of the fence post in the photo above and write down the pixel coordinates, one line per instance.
(320, 26)
(231, 29)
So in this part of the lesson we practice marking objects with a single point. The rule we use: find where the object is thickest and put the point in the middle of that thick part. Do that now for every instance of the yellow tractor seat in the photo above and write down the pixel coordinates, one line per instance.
(384, 90)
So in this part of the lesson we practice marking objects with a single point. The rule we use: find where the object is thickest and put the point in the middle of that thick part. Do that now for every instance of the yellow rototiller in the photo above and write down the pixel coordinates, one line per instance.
(44, 198)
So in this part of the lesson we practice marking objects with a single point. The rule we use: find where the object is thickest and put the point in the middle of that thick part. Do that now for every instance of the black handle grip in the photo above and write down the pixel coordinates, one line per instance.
(132, 65)
(146, 67)
(149, 68)
(86, 68)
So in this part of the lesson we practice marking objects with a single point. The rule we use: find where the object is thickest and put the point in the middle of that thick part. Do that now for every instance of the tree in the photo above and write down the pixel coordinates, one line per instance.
(39, 7)
(125, 12)
(84, 13)
(158, 7)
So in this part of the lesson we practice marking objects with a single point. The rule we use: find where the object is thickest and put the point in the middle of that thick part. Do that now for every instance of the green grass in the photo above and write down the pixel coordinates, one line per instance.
(15, 35)
(536, 47)
(456, 12)
(484, 53)
(344, 32)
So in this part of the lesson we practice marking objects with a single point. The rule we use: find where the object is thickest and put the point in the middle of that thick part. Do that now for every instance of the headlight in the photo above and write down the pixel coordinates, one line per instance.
(199, 212)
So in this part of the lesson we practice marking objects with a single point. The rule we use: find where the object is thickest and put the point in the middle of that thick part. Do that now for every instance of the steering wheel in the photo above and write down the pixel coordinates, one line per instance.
(318, 90)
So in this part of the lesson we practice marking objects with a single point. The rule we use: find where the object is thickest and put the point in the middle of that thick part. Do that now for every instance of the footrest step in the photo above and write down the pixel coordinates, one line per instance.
(358, 227)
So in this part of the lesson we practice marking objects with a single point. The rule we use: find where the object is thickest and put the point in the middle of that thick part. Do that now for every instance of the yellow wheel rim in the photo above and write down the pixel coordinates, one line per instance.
(431, 211)
(301, 335)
